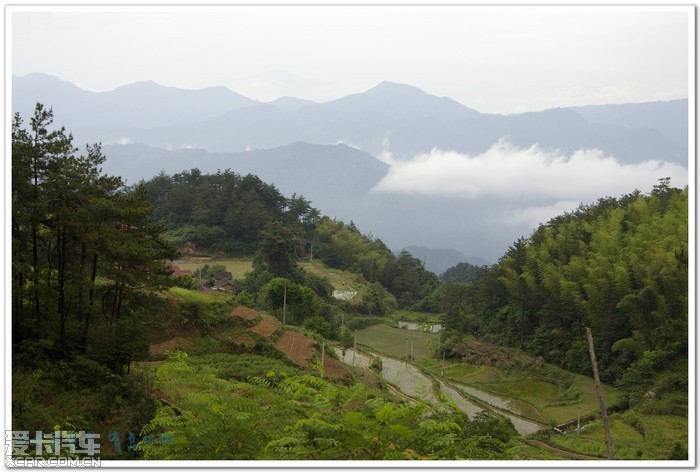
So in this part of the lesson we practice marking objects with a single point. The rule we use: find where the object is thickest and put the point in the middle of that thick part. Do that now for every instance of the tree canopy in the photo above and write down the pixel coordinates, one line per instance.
(84, 250)
(619, 266)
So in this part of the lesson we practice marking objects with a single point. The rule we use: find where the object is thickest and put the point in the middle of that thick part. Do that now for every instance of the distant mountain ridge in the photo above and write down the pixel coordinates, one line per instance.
(110, 116)
(335, 178)
(439, 260)
(669, 117)
(390, 117)
(329, 152)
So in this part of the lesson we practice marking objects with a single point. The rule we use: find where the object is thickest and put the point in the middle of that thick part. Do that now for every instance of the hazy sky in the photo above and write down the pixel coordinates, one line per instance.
(494, 59)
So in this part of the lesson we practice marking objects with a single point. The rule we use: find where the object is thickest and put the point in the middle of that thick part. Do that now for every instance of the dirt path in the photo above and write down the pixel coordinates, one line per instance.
(562, 452)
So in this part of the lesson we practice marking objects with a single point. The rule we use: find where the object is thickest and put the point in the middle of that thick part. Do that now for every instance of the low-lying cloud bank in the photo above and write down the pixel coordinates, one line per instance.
(507, 171)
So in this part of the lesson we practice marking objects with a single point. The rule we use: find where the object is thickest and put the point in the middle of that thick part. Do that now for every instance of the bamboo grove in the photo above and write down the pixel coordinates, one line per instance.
(619, 266)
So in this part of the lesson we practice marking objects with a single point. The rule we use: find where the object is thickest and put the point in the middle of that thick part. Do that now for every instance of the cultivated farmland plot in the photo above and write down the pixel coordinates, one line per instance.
(237, 267)
(296, 346)
(417, 385)
(424, 327)
(396, 342)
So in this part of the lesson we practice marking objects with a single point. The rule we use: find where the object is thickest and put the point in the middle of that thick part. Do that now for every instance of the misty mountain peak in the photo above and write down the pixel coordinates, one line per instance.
(145, 85)
(43, 82)
(388, 86)
(394, 101)
(291, 103)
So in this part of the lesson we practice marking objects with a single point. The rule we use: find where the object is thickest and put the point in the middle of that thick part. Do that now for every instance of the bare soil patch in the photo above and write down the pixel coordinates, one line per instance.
(245, 339)
(244, 313)
(171, 345)
(334, 369)
(266, 327)
(296, 346)
(476, 352)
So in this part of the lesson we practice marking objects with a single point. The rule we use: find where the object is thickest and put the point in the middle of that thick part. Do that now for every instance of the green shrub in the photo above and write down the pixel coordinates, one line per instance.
(239, 366)
(207, 345)
(376, 365)
(200, 309)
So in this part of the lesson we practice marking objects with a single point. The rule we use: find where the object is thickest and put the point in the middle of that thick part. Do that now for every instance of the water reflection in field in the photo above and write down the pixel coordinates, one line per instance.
(412, 382)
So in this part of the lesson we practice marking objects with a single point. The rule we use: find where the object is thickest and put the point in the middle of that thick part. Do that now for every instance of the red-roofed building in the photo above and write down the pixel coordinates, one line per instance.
(177, 272)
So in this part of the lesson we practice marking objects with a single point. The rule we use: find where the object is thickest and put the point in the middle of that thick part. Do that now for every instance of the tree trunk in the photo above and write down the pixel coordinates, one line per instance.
(61, 281)
(91, 304)
(599, 390)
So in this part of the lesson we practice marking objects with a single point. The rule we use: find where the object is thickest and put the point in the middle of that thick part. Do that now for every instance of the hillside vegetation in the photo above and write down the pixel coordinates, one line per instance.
(250, 373)
(619, 267)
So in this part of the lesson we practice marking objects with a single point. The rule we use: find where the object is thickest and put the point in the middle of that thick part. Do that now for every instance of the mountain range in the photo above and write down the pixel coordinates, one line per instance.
(335, 153)
(390, 117)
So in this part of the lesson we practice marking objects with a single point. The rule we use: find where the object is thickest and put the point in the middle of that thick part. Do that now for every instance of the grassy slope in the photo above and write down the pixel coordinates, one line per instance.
(547, 394)
(339, 279)
(634, 437)
(392, 341)
(237, 267)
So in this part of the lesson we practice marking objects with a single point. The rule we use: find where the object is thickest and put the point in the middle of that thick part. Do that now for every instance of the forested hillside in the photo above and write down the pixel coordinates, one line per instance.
(229, 213)
(88, 266)
(99, 315)
(223, 212)
(619, 266)
(93, 289)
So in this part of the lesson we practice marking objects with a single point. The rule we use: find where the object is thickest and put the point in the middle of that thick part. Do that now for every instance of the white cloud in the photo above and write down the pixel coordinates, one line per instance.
(386, 156)
(534, 215)
(510, 172)
(348, 144)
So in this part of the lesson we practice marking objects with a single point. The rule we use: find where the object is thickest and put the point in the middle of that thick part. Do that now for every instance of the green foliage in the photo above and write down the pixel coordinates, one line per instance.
(344, 247)
(376, 301)
(80, 394)
(240, 366)
(254, 281)
(376, 365)
(462, 272)
(223, 212)
(87, 269)
(618, 267)
(300, 301)
(84, 254)
(292, 416)
(318, 324)
(244, 298)
(201, 309)
(636, 436)
(318, 283)
(277, 251)
(185, 281)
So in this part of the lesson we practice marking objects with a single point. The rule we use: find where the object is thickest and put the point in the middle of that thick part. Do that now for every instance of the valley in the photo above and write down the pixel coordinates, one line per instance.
(350, 280)
(542, 401)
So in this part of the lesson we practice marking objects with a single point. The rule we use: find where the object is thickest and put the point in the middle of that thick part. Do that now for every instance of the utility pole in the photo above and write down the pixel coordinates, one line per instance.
(578, 422)
(354, 349)
(412, 357)
(599, 389)
(442, 372)
(406, 349)
(323, 357)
